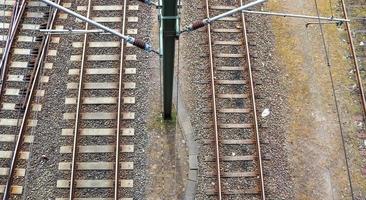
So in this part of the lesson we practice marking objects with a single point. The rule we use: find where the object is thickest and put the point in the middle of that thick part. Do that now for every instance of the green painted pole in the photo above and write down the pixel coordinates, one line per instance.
(169, 17)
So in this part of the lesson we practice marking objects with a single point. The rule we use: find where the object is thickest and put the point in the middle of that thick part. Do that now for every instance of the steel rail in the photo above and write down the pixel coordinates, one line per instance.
(214, 110)
(13, 26)
(5, 54)
(78, 106)
(17, 6)
(254, 107)
(27, 110)
(354, 59)
(119, 106)
(360, 85)
(15, 14)
(10, 31)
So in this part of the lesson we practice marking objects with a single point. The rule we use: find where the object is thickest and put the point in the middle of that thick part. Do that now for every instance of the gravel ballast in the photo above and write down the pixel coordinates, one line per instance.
(48, 134)
(269, 95)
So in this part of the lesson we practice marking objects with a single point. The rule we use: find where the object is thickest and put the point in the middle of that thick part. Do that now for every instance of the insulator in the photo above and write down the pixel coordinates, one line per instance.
(139, 43)
(197, 24)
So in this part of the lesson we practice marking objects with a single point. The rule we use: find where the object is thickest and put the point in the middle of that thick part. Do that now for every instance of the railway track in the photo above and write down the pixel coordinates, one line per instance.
(235, 159)
(96, 159)
(357, 42)
(22, 71)
(356, 37)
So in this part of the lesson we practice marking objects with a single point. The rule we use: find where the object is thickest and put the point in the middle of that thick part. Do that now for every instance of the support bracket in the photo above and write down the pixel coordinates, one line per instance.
(177, 18)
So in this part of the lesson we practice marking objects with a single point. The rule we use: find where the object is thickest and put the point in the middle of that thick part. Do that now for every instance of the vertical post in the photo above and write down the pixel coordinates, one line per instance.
(169, 17)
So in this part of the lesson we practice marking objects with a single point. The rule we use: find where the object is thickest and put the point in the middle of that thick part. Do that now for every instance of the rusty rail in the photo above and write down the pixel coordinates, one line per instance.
(78, 106)
(359, 82)
(217, 152)
(17, 14)
(354, 59)
(79, 103)
(254, 107)
(247, 68)
(119, 109)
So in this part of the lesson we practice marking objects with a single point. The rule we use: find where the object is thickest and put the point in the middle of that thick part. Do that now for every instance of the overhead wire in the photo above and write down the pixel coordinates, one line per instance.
(326, 50)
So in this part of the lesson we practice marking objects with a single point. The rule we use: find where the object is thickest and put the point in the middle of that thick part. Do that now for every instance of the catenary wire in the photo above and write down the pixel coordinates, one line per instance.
(335, 97)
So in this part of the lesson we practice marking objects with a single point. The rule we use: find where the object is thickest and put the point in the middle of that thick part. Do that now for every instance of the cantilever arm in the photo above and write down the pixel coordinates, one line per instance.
(201, 23)
(136, 42)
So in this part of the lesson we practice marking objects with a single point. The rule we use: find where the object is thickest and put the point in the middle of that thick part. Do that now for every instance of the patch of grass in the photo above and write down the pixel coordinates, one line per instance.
(349, 102)
(287, 48)
(158, 122)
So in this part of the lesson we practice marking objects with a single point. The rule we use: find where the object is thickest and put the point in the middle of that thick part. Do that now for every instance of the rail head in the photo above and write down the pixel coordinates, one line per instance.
(254, 106)
(212, 77)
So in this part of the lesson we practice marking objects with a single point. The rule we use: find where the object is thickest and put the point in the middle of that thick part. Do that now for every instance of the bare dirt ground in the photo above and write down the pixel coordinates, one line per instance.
(316, 152)
(167, 154)
(167, 161)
